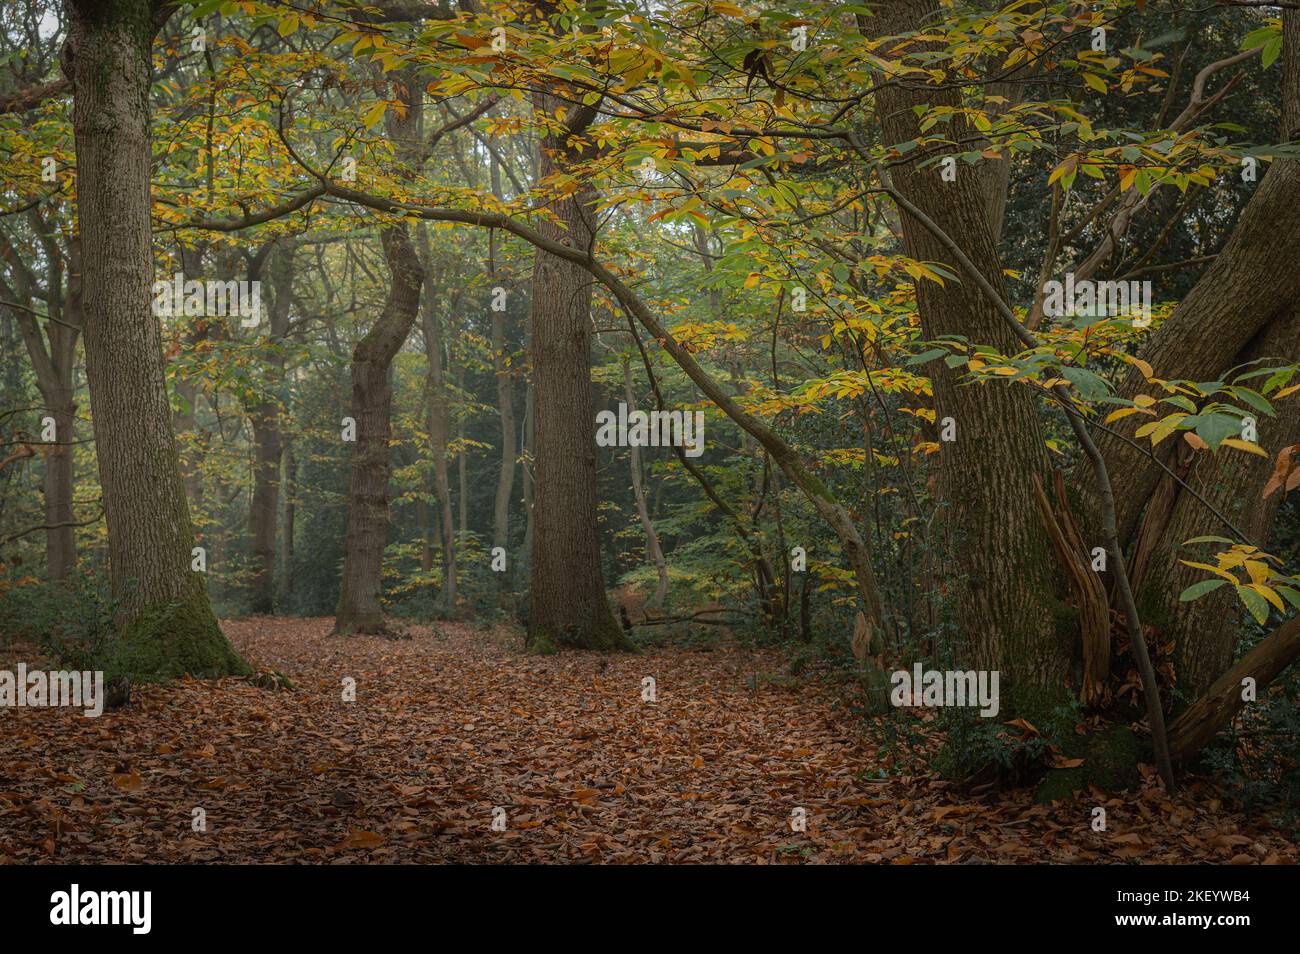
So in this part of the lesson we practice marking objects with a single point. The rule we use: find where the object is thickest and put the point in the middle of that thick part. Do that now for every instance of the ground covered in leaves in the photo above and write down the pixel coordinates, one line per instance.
(458, 721)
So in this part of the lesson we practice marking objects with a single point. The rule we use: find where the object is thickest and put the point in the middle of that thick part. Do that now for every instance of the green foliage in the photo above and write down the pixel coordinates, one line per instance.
(72, 621)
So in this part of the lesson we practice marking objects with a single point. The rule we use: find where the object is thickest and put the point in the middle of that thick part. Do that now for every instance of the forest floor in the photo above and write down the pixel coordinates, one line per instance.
(458, 721)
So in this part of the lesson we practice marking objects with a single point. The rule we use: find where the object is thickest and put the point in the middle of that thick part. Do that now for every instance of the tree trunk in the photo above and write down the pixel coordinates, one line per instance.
(1006, 606)
(268, 441)
(505, 404)
(60, 545)
(1199, 724)
(288, 476)
(1205, 630)
(166, 623)
(528, 442)
(653, 549)
(1242, 310)
(438, 431)
(568, 603)
(372, 398)
(462, 457)
(360, 610)
(506, 411)
(53, 356)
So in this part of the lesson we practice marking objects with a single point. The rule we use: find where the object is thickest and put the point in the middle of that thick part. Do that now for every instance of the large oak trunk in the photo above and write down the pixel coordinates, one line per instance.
(1007, 610)
(166, 623)
(568, 604)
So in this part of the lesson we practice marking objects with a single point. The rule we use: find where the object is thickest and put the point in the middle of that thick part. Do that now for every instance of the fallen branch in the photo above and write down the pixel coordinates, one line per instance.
(1223, 700)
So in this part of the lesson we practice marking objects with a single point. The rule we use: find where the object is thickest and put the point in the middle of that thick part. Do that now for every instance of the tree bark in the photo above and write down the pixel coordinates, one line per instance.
(53, 356)
(438, 431)
(1251, 284)
(166, 623)
(1198, 725)
(462, 456)
(359, 609)
(653, 549)
(288, 478)
(268, 442)
(1205, 630)
(506, 412)
(568, 603)
(1006, 607)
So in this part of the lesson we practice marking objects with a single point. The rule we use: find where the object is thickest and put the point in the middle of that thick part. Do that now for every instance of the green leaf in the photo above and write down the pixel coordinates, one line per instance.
(1213, 428)
(1197, 590)
(1292, 595)
(1091, 387)
(1257, 605)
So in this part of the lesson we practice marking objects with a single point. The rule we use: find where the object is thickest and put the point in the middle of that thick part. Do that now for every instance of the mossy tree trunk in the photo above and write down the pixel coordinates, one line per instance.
(166, 622)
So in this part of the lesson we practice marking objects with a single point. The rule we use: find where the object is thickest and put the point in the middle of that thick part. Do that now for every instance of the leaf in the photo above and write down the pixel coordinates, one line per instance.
(1093, 81)
(1197, 590)
(359, 838)
(1255, 603)
(128, 782)
(1284, 470)
(375, 113)
(1247, 446)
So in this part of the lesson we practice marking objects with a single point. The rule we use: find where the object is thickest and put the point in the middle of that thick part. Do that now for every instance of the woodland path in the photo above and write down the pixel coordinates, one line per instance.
(458, 720)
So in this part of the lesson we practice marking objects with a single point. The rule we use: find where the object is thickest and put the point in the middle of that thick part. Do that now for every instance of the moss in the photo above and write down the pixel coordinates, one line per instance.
(602, 637)
(1047, 708)
(1110, 762)
(542, 641)
(174, 639)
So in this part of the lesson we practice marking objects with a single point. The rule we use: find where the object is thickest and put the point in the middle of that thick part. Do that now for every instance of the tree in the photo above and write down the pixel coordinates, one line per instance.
(359, 609)
(166, 622)
(567, 601)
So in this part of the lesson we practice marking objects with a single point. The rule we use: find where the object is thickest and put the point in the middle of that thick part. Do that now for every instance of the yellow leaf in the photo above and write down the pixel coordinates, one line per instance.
(1258, 570)
(1213, 569)
(374, 113)
(1268, 594)
(1246, 446)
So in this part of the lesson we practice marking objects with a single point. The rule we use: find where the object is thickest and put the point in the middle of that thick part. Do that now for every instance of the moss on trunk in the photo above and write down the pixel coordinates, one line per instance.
(174, 639)
(601, 638)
